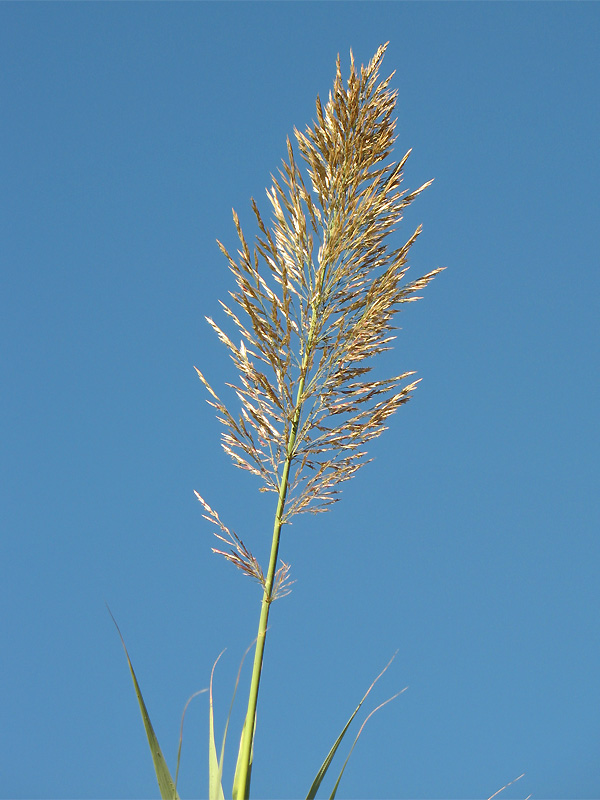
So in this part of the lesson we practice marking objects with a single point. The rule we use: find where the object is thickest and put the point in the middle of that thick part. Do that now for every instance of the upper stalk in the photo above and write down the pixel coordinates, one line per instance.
(241, 784)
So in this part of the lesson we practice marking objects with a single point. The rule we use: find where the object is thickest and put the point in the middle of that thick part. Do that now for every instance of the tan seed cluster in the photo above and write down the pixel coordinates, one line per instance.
(315, 301)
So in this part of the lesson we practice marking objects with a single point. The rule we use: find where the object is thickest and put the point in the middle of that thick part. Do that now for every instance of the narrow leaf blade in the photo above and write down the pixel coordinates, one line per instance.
(215, 787)
(163, 776)
(241, 790)
(337, 783)
(312, 792)
(201, 691)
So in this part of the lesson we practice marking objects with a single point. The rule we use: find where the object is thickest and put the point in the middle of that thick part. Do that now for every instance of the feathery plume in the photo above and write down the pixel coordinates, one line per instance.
(319, 292)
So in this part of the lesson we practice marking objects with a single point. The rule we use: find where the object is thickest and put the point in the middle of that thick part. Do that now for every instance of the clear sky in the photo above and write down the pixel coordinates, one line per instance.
(128, 131)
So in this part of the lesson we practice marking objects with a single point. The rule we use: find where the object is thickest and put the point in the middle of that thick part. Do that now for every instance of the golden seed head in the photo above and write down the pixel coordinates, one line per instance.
(316, 299)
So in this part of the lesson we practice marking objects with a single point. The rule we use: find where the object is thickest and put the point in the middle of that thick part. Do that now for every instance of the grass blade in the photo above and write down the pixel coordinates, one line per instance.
(215, 788)
(337, 783)
(166, 784)
(238, 791)
(241, 785)
(235, 688)
(312, 792)
(510, 783)
(201, 691)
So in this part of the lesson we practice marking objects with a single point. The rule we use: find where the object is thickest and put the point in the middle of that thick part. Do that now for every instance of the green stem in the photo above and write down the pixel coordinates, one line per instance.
(241, 783)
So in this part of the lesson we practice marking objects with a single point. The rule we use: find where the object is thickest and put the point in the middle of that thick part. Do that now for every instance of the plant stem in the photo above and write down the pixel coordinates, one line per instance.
(241, 785)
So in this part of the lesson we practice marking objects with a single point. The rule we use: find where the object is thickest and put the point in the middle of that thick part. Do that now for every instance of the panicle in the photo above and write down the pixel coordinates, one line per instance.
(315, 301)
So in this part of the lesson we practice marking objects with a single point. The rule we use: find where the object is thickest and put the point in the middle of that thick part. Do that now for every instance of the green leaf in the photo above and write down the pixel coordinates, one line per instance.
(201, 691)
(312, 792)
(215, 788)
(163, 776)
(235, 688)
(337, 783)
(241, 791)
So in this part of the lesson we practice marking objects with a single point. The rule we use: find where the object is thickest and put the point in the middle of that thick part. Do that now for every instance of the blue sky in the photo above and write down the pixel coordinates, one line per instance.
(470, 543)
